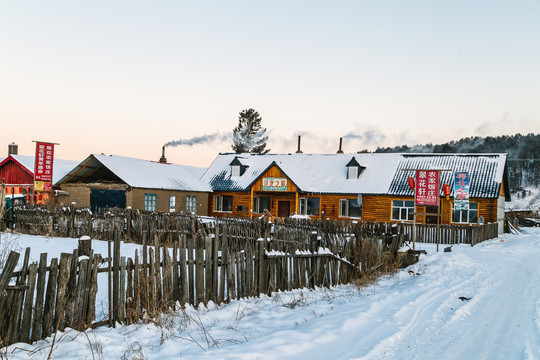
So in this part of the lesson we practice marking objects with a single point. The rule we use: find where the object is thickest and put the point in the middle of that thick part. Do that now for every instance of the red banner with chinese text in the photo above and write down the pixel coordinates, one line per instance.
(43, 171)
(427, 187)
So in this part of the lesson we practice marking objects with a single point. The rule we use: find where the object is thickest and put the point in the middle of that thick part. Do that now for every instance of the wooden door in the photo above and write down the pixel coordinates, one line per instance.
(432, 209)
(284, 208)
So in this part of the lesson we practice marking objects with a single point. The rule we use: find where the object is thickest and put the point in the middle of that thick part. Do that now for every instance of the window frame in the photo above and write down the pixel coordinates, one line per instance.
(304, 206)
(218, 203)
(405, 210)
(191, 203)
(344, 204)
(172, 203)
(236, 170)
(257, 204)
(150, 202)
(352, 172)
(467, 213)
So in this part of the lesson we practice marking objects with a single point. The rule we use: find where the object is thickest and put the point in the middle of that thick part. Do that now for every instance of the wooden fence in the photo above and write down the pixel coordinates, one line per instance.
(450, 234)
(138, 226)
(219, 268)
(44, 297)
(196, 268)
(185, 261)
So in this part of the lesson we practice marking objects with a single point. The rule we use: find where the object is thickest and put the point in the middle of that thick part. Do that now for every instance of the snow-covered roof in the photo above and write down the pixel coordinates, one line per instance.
(60, 167)
(486, 172)
(140, 173)
(316, 173)
(327, 173)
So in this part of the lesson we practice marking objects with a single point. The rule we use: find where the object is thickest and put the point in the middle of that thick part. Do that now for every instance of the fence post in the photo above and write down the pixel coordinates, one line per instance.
(63, 279)
(116, 279)
(11, 262)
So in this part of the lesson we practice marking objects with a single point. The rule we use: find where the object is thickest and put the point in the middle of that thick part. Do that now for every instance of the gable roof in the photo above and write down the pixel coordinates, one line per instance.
(327, 173)
(60, 167)
(137, 173)
(316, 173)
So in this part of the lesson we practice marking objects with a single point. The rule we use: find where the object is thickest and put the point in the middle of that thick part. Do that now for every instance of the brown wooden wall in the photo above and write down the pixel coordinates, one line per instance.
(274, 171)
(239, 199)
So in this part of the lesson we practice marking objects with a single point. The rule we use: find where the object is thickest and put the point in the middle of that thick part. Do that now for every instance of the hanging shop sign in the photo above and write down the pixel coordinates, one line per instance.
(461, 191)
(274, 184)
(43, 171)
(427, 187)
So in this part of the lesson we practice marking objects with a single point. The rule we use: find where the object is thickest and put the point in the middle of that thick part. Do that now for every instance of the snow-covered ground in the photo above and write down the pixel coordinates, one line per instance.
(479, 302)
(527, 200)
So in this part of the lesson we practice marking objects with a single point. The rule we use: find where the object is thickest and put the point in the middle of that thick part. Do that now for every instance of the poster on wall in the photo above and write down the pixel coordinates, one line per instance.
(43, 170)
(461, 191)
(427, 187)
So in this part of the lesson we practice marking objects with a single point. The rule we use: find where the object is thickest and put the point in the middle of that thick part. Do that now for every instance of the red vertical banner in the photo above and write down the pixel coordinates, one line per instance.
(43, 171)
(427, 187)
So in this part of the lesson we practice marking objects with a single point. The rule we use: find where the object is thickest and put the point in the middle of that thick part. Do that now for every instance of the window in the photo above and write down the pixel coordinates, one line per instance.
(309, 206)
(235, 170)
(349, 208)
(260, 204)
(223, 203)
(172, 203)
(402, 210)
(352, 172)
(191, 204)
(150, 202)
(354, 169)
(466, 216)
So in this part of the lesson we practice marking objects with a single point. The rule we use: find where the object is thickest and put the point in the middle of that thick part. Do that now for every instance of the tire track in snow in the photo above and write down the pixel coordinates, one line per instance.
(444, 323)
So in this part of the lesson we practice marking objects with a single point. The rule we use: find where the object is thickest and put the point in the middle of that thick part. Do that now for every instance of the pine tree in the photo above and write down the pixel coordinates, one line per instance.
(248, 136)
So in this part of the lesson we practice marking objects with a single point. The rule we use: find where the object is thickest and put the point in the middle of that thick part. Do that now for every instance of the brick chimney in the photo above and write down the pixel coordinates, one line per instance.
(13, 149)
(163, 159)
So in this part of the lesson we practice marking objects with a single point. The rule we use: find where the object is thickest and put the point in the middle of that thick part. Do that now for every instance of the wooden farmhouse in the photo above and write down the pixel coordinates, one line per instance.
(102, 181)
(316, 185)
(17, 172)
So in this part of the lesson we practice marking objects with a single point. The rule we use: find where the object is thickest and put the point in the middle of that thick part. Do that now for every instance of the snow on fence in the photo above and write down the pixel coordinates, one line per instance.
(39, 299)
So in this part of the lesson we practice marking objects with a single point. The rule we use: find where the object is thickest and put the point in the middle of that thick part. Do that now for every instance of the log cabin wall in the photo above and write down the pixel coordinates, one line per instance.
(240, 204)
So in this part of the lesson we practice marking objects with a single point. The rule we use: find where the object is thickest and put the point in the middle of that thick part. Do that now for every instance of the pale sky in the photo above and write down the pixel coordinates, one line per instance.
(127, 77)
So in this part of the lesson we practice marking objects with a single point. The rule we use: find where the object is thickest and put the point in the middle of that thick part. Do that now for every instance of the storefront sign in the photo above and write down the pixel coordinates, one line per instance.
(427, 187)
(461, 191)
(43, 171)
(274, 184)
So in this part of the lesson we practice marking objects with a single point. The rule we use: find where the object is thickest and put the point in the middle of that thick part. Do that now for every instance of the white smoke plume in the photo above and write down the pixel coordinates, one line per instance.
(197, 140)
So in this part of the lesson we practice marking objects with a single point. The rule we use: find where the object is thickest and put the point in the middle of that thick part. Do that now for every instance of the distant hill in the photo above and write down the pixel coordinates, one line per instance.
(523, 155)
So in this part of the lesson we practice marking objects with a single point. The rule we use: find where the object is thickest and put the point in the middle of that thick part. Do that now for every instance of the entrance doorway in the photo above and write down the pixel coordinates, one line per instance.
(107, 199)
(431, 209)
(284, 208)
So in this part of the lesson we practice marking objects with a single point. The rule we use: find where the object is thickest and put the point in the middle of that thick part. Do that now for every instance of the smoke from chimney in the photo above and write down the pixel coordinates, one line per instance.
(203, 139)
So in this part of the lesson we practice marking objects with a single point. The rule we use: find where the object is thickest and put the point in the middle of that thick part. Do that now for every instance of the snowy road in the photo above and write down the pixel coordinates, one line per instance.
(422, 316)
(401, 317)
